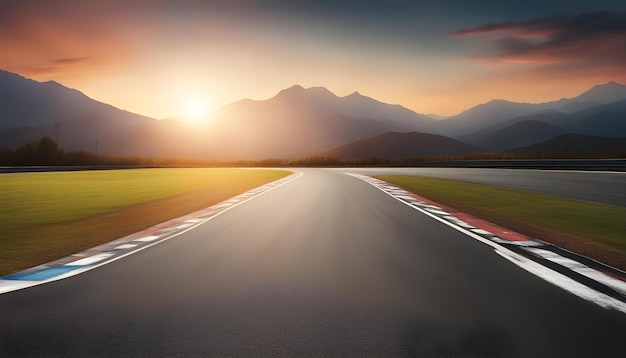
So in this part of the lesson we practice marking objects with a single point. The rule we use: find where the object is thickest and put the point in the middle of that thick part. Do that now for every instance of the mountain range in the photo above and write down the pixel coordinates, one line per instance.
(499, 111)
(300, 122)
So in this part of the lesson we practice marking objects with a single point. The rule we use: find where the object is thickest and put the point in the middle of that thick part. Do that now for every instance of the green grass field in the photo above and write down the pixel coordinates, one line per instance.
(592, 229)
(46, 216)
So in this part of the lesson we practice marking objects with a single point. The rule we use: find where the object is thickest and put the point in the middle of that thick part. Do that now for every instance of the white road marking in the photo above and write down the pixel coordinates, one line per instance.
(90, 260)
(147, 238)
(14, 285)
(438, 212)
(409, 198)
(124, 247)
(459, 222)
(431, 207)
(581, 269)
(527, 243)
(563, 281)
(482, 232)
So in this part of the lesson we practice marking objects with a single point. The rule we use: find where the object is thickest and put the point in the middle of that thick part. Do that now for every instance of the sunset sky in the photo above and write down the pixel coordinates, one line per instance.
(167, 57)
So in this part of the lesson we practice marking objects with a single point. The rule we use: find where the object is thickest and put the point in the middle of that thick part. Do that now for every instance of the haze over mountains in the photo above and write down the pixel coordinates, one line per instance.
(403, 145)
(301, 122)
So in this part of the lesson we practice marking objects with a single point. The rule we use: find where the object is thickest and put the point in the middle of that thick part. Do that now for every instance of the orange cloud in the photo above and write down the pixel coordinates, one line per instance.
(43, 38)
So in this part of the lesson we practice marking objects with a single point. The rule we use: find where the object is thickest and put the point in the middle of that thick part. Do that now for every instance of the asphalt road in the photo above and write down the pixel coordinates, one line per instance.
(325, 265)
(602, 187)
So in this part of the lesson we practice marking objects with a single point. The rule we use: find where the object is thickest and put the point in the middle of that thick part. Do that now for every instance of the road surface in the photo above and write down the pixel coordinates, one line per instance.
(324, 265)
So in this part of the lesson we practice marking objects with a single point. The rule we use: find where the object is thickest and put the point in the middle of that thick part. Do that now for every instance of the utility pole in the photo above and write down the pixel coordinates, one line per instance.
(58, 125)
(97, 142)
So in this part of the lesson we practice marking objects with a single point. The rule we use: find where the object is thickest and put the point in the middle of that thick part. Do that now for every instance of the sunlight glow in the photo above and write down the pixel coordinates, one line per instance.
(196, 109)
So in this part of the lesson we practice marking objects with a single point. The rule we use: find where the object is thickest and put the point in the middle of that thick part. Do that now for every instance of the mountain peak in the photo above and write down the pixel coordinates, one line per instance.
(499, 100)
(604, 93)
(357, 96)
(611, 84)
(320, 90)
(295, 87)
(299, 91)
(292, 90)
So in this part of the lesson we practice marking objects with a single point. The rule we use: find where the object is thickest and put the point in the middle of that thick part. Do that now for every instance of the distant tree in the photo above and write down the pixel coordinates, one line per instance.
(6, 156)
(42, 152)
(46, 151)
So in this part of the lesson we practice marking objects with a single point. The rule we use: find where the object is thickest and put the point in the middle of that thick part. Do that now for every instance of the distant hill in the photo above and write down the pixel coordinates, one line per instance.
(359, 106)
(576, 146)
(499, 111)
(24, 102)
(598, 95)
(30, 109)
(403, 145)
(484, 115)
(516, 135)
(606, 120)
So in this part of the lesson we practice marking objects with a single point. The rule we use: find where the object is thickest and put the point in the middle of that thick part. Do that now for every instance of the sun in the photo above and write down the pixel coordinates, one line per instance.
(196, 110)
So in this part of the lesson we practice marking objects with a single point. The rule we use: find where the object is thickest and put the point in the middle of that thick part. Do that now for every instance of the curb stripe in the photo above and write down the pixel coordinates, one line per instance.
(581, 269)
(147, 238)
(90, 260)
(530, 247)
(112, 251)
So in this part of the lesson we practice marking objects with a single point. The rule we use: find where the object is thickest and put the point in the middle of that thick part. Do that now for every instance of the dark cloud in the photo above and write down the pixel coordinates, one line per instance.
(589, 40)
(70, 61)
(59, 66)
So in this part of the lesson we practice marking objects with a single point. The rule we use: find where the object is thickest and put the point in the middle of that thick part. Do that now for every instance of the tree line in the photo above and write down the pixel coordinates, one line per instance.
(46, 153)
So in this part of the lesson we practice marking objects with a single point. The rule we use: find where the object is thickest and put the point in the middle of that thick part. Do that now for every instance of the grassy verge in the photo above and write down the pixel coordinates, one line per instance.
(591, 229)
(46, 216)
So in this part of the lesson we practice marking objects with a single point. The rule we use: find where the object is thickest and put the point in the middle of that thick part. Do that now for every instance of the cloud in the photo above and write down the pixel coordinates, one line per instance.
(65, 38)
(70, 61)
(584, 42)
(59, 66)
